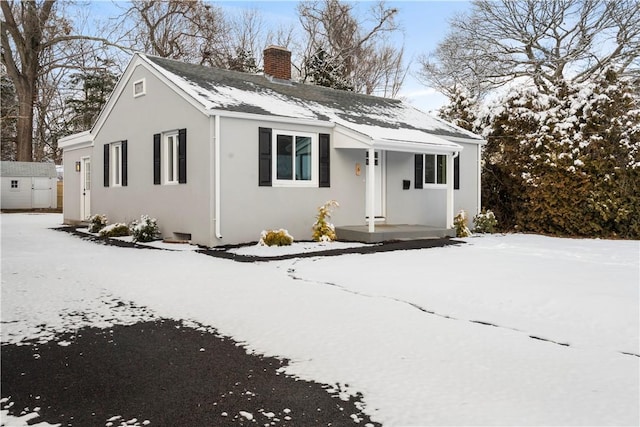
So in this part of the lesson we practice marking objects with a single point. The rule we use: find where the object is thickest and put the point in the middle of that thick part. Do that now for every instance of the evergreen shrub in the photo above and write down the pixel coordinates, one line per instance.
(115, 230)
(460, 222)
(279, 237)
(324, 231)
(97, 223)
(145, 230)
(485, 222)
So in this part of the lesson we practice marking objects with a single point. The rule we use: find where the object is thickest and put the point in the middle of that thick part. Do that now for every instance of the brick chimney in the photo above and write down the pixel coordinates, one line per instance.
(277, 62)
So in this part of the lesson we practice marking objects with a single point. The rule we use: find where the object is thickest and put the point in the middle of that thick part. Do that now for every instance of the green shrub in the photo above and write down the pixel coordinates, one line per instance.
(115, 230)
(276, 238)
(460, 222)
(324, 231)
(97, 223)
(485, 222)
(145, 230)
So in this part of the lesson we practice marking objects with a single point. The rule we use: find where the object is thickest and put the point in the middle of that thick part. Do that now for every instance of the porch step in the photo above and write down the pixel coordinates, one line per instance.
(386, 232)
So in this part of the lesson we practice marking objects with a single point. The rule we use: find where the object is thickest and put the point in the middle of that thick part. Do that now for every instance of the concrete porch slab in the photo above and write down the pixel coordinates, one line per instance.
(386, 232)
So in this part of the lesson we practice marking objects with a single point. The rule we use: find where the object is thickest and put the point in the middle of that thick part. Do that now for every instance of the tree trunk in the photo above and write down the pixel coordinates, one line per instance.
(24, 137)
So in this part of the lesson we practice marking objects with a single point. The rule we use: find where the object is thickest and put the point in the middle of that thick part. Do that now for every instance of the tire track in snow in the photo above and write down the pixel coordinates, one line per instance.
(291, 272)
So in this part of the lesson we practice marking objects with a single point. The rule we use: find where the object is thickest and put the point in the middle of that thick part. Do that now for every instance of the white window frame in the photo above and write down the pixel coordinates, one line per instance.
(315, 153)
(435, 183)
(170, 143)
(16, 187)
(143, 85)
(115, 157)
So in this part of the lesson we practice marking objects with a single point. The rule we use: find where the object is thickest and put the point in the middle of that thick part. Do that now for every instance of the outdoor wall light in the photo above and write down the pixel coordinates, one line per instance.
(77, 166)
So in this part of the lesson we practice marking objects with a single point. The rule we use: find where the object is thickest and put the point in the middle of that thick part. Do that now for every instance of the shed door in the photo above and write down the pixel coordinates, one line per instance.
(41, 192)
(85, 188)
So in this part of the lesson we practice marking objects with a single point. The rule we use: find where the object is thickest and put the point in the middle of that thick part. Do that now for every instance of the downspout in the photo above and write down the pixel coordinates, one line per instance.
(217, 185)
(450, 192)
(479, 207)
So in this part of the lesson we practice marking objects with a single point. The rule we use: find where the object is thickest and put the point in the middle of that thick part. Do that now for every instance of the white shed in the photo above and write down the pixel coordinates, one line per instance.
(28, 185)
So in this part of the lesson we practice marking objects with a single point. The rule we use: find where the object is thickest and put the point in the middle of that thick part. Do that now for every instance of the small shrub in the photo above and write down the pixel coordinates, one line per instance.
(324, 231)
(97, 223)
(460, 222)
(485, 222)
(276, 238)
(115, 230)
(145, 230)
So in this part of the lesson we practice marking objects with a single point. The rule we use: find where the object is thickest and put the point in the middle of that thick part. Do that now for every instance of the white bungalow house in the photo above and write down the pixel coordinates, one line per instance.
(29, 185)
(218, 156)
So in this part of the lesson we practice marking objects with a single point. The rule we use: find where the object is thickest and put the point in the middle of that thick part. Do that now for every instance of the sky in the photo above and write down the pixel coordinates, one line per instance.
(424, 25)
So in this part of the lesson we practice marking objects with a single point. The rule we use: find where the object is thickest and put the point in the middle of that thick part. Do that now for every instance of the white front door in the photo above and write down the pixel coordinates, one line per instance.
(379, 184)
(85, 189)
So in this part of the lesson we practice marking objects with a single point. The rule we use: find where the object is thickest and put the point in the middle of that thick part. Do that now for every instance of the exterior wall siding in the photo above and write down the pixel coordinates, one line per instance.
(467, 197)
(179, 208)
(19, 198)
(72, 183)
(247, 208)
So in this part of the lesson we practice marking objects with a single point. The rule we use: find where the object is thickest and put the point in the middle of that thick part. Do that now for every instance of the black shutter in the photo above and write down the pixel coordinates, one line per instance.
(182, 156)
(456, 172)
(124, 163)
(264, 157)
(106, 165)
(156, 159)
(324, 160)
(419, 171)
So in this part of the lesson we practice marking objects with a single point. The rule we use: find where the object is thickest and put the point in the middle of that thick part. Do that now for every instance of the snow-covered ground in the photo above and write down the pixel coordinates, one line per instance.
(504, 330)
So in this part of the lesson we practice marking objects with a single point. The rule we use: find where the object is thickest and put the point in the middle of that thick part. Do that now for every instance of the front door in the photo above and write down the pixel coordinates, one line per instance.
(85, 189)
(379, 184)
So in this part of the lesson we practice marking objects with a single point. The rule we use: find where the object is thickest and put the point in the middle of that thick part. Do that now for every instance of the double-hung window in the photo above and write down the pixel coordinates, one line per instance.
(435, 169)
(116, 155)
(431, 171)
(115, 164)
(171, 158)
(295, 162)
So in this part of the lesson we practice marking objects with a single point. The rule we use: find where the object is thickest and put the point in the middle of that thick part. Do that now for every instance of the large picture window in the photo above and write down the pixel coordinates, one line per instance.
(296, 159)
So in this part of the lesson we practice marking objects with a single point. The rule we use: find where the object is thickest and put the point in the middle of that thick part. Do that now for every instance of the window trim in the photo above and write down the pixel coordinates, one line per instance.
(435, 163)
(167, 137)
(315, 155)
(143, 92)
(17, 185)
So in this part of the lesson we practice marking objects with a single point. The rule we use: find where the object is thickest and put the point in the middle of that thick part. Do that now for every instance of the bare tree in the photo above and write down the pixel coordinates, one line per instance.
(187, 30)
(368, 61)
(29, 30)
(547, 41)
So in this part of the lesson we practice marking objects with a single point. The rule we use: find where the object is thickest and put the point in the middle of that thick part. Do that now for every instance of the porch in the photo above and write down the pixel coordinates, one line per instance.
(386, 232)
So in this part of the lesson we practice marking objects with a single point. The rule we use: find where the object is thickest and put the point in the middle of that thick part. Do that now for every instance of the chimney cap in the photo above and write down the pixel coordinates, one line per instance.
(273, 46)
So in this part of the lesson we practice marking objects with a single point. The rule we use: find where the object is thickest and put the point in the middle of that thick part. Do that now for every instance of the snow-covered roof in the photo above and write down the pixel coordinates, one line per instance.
(28, 169)
(385, 121)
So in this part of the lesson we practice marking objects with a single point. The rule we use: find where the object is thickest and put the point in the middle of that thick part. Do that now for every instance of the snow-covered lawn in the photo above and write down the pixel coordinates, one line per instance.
(504, 330)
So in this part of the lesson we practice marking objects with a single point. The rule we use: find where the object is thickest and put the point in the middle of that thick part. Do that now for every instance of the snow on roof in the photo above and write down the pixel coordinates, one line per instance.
(375, 117)
(27, 169)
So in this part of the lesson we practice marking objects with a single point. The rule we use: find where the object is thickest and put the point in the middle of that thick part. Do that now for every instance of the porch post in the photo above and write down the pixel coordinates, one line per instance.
(450, 213)
(371, 190)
